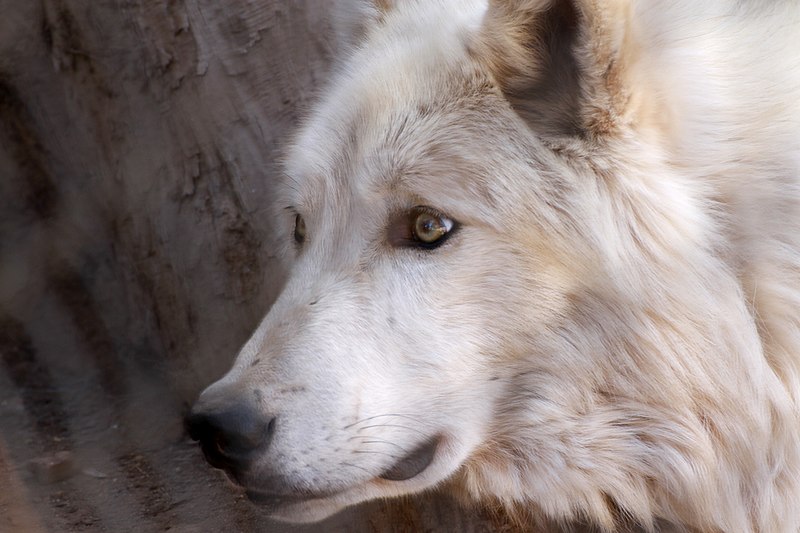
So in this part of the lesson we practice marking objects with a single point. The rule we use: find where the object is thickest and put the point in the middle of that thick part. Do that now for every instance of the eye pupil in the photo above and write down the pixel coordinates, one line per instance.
(299, 229)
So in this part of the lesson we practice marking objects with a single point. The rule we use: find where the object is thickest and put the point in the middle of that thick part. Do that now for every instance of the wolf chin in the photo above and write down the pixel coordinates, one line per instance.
(544, 254)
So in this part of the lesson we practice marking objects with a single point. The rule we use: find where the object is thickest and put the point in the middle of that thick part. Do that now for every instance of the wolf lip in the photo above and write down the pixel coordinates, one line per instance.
(264, 499)
(414, 463)
(273, 501)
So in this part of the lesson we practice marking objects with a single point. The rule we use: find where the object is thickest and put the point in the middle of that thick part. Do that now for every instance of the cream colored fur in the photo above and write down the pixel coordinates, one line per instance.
(613, 333)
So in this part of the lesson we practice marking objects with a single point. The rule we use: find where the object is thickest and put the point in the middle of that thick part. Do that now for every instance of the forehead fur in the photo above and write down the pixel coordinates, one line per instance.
(403, 79)
(413, 109)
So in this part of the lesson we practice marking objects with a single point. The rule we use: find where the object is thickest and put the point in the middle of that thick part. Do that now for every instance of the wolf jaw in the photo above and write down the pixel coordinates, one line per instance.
(610, 336)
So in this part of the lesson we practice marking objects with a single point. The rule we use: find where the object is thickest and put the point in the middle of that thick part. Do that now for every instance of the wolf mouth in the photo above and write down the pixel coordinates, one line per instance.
(414, 463)
(271, 502)
(408, 467)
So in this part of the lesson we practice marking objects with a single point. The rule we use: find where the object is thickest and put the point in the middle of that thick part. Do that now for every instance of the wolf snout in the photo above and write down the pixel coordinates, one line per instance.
(230, 435)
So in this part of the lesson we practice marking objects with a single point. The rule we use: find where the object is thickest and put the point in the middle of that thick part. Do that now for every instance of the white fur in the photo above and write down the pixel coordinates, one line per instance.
(613, 331)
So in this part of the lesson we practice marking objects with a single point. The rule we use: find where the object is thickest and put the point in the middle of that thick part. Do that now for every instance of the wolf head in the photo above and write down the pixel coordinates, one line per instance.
(499, 281)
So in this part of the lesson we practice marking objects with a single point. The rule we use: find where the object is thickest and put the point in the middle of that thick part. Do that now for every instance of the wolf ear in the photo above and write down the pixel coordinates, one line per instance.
(352, 20)
(561, 63)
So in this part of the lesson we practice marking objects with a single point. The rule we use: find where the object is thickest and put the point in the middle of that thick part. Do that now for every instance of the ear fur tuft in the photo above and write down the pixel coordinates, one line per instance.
(561, 63)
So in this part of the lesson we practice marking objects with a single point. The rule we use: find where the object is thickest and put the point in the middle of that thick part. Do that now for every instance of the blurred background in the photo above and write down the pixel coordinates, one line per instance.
(139, 145)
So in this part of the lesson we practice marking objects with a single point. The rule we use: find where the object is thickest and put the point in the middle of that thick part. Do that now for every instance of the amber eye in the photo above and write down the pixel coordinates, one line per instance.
(299, 229)
(429, 227)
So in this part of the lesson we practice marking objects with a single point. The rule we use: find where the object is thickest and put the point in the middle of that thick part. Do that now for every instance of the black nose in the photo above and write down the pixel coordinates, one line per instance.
(229, 437)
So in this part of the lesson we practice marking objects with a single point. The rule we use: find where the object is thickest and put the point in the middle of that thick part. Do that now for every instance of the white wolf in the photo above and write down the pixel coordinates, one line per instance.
(547, 253)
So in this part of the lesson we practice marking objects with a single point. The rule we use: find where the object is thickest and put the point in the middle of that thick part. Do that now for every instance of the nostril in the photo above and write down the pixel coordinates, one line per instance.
(197, 426)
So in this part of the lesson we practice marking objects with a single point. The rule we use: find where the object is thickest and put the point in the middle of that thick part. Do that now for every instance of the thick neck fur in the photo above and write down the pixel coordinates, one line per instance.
(707, 325)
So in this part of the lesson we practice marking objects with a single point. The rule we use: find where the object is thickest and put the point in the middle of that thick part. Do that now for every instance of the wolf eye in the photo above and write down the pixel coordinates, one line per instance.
(429, 228)
(420, 227)
(299, 229)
